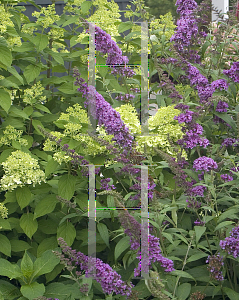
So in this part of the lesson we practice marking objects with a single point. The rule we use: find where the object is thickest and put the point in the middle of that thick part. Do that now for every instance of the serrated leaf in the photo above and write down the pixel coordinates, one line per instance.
(33, 290)
(46, 244)
(14, 72)
(27, 265)
(51, 166)
(103, 230)
(72, 19)
(5, 54)
(31, 72)
(42, 107)
(121, 246)
(67, 231)
(8, 291)
(85, 6)
(66, 186)
(58, 58)
(124, 26)
(5, 100)
(19, 245)
(28, 224)
(23, 195)
(45, 264)
(40, 41)
(9, 270)
(5, 245)
(45, 206)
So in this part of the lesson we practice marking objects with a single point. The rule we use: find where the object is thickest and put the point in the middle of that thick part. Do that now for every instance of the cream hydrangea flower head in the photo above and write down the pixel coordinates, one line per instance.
(11, 134)
(49, 16)
(3, 211)
(34, 94)
(20, 169)
(4, 19)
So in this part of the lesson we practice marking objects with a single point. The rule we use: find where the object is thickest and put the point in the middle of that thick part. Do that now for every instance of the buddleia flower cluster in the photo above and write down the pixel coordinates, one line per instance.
(20, 169)
(11, 134)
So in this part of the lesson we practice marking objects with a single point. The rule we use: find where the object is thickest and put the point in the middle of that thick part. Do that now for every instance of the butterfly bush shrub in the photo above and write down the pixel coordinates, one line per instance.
(47, 143)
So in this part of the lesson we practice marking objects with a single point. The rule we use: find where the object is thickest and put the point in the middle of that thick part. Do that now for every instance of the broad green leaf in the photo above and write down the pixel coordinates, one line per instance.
(125, 26)
(19, 245)
(46, 244)
(103, 230)
(45, 206)
(33, 290)
(40, 41)
(14, 72)
(42, 107)
(58, 58)
(9, 270)
(85, 6)
(45, 264)
(5, 245)
(231, 294)
(62, 291)
(72, 19)
(66, 186)
(67, 231)
(103, 70)
(4, 224)
(5, 100)
(8, 291)
(23, 195)
(182, 274)
(223, 224)
(227, 119)
(31, 72)
(28, 224)
(27, 265)
(37, 123)
(183, 291)
(5, 54)
(121, 246)
(197, 256)
(51, 166)
(68, 88)
(18, 112)
(199, 230)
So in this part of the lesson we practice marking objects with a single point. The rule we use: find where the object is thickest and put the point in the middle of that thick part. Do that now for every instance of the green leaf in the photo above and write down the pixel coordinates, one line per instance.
(35, 124)
(66, 186)
(67, 231)
(121, 246)
(8, 291)
(231, 294)
(197, 256)
(227, 118)
(125, 26)
(23, 195)
(58, 58)
(45, 264)
(5, 245)
(68, 88)
(5, 53)
(103, 230)
(28, 224)
(103, 70)
(5, 100)
(27, 265)
(199, 230)
(46, 244)
(40, 41)
(71, 20)
(192, 174)
(62, 291)
(14, 72)
(19, 245)
(31, 72)
(9, 270)
(85, 6)
(183, 291)
(223, 224)
(33, 290)
(42, 107)
(182, 274)
(45, 206)
(51, 167)
(14, 111)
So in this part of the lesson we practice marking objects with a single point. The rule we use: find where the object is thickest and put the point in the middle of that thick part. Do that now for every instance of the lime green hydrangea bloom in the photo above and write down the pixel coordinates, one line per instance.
(51, 145)
(49, 16)
(34, 94)
(164, 25)
(11, 134)
(3, 211)
(4, 19)
(20, 169)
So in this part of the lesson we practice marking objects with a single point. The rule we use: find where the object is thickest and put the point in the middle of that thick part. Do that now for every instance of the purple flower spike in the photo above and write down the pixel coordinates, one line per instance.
(233, 73)
(231, 243)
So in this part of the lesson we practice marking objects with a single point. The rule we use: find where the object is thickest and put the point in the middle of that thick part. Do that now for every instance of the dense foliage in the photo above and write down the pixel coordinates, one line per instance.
(66, 144)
